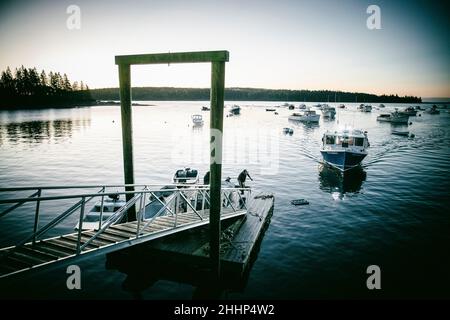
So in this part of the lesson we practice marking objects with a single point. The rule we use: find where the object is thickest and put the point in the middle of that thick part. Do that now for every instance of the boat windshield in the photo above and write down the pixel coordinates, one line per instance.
(345, 141)
(359, 142)
(330, 139)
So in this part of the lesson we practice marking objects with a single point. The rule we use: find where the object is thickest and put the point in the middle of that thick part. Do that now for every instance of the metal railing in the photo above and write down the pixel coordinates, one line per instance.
(178, 198)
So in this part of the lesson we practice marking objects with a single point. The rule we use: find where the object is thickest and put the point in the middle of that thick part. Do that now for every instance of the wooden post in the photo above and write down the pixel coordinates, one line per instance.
(217, 100)
(217, 59)
(127, 133)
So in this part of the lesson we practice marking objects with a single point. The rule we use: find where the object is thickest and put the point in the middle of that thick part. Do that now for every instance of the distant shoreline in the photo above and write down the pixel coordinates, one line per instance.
(250, 94)
(100, 103)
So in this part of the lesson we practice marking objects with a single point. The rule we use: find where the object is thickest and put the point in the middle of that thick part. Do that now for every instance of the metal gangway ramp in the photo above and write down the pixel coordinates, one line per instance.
(178, 208)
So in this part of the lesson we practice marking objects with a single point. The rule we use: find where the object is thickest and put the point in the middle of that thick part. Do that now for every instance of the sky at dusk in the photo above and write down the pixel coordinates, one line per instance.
(273, 44)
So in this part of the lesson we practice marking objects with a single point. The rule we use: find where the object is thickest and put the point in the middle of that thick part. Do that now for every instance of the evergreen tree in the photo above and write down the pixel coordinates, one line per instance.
(53, 78)
(7, 82)
(67, 86)
(43, 79)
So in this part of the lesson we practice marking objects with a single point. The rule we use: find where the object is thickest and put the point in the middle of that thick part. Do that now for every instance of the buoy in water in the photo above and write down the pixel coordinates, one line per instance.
(299, 202)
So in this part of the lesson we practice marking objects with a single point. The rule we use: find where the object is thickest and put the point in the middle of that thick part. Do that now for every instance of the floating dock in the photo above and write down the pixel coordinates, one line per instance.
(184, 257)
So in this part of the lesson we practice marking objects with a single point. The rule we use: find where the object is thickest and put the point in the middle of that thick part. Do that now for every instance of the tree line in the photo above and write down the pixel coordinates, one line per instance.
(251, 94)
(27, 87)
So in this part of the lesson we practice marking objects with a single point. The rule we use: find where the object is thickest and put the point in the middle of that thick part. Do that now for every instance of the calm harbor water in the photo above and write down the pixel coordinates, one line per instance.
(392, 213)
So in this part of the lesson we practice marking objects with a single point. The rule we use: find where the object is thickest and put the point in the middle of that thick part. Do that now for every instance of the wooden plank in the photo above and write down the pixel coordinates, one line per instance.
(94, 244)
(32, 260)
(151, 228)
(69, 245)
(122, 234)
(162, 226)
(5, 269)
(106, 237)
(176, 57)
(188, 217)
(250, 231)
(124, 227)
(53, 249)
(37, 253)
(163, 223)
(16, 263)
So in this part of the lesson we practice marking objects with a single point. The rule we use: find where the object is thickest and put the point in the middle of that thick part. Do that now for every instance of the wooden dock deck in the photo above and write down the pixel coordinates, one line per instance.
(31, 256)
(184, 257)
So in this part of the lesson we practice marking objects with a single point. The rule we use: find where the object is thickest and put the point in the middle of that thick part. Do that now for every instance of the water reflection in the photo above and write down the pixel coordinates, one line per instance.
(176, 258)
(307, 125)
(338, 183)
(34, 132)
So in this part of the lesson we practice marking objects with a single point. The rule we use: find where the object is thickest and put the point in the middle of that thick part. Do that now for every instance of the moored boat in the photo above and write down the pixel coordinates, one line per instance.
(344, 149)
(328, 112)
(186, 176)
(400, 133)
(365, 108)
(433, 110)
(197, 120)
(393, 117)
(235, 109)
(91, 220)
(306, 116)
(410, 111)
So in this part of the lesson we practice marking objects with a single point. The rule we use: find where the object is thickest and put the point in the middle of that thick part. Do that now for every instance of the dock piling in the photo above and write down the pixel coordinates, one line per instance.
(217, 104)
(127, 132)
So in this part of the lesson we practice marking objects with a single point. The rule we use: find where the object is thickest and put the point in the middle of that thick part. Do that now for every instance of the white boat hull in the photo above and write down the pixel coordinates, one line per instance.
(310, 118)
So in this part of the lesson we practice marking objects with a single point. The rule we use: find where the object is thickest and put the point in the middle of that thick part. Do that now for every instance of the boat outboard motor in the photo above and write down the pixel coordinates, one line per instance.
(114, 197)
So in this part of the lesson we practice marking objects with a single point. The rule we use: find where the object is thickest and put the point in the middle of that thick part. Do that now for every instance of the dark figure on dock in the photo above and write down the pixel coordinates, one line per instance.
(241, 178)
(206, 178)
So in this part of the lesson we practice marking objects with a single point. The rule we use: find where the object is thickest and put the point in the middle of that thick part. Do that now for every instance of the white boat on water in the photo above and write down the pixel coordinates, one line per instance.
(302, 106)
(400, 133)
(393, 117)
(365, 108)
(306, 116)
(91, 220)
(328, 112)
(187, 176)
(433, 110)
(197, 120)
(344, 149)
(235, 109)
(410, 111)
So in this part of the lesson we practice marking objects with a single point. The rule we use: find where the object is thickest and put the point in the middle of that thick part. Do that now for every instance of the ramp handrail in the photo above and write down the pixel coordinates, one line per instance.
(179, 199)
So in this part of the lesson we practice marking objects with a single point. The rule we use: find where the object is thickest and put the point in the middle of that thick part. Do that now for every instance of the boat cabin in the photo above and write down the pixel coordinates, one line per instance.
(345, 139)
